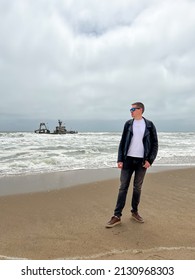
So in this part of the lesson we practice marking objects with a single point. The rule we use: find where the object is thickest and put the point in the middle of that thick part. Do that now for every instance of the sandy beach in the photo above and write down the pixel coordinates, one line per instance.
(69, 222)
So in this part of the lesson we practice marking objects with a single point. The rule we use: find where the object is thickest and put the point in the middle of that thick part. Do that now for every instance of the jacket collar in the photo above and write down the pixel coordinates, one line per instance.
(147, 122)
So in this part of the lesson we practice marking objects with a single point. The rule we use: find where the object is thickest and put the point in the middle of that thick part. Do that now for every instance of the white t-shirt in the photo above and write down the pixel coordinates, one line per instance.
(136, 148)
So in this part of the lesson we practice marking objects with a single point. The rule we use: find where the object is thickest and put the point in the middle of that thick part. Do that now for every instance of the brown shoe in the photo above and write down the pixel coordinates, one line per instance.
(137, 217)
(113, 222)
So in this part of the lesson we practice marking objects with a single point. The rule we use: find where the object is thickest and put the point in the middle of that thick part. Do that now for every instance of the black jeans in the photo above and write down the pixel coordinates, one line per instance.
(130, 165)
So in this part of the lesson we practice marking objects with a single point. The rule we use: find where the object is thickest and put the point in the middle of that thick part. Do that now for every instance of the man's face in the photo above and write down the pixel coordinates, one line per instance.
(136, 112)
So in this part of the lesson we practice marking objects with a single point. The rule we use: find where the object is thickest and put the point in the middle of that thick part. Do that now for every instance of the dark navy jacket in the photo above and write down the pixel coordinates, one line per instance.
(150, 141)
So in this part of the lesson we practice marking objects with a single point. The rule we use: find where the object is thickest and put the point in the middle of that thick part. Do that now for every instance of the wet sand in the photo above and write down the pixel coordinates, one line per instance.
(62, 221)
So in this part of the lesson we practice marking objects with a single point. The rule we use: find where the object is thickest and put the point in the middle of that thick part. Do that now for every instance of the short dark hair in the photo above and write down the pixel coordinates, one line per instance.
(139, 105)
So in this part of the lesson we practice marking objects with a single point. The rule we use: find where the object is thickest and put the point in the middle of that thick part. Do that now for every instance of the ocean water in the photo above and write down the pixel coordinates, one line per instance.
(29, 153)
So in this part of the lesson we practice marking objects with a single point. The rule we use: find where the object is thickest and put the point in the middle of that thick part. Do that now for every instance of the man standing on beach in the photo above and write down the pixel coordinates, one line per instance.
(137, 150)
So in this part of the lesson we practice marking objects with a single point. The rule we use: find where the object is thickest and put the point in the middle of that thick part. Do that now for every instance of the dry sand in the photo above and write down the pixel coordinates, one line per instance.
(70, 223)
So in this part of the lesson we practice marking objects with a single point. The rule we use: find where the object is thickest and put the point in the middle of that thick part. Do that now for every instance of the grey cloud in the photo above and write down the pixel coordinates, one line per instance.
(89, 60)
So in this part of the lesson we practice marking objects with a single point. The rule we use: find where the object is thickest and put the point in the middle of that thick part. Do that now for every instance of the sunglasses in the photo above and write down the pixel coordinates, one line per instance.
(133, 109)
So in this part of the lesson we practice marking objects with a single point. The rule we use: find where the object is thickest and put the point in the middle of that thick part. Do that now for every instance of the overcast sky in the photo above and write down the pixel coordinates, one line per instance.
(86, 61)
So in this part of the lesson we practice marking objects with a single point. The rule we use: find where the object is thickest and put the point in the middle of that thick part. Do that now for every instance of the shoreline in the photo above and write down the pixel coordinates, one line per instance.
(69, 223)
(43, 182)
